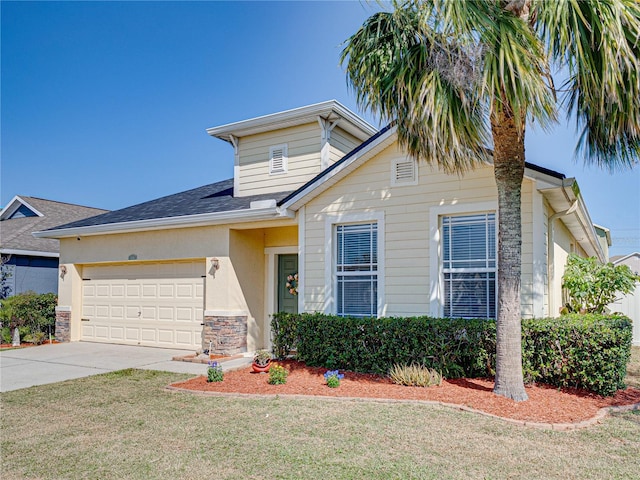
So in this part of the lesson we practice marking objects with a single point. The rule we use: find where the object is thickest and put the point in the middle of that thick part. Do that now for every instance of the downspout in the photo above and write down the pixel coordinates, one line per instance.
(551, 250)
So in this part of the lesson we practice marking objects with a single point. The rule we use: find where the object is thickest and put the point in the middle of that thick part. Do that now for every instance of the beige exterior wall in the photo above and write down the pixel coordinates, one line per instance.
(408, 282)
(303, 151)
(342, 142)
(237, 287)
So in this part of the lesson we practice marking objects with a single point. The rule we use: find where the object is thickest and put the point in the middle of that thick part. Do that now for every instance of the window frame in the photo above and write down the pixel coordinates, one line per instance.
(436, 273)
(486, 265)
(331, 277)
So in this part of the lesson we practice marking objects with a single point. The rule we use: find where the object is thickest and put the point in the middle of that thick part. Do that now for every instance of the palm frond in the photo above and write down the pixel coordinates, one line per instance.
(599, 42)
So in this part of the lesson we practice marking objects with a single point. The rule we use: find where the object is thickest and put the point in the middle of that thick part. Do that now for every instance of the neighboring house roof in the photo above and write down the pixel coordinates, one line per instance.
(331, 110)
(199, 206)
(24, 215)
(632, 260)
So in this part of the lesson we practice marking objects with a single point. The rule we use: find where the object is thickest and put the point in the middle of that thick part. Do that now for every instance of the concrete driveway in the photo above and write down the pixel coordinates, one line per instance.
(44, 364)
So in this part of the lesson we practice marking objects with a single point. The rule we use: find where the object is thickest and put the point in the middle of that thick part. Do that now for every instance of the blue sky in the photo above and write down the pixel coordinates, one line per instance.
(106, 104)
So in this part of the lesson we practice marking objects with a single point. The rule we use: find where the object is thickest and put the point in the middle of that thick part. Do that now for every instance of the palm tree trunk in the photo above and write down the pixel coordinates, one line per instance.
(509, 171)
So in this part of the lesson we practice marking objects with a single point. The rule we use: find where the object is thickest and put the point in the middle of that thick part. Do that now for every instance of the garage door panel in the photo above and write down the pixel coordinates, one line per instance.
(133, 291)
(117, 312)
(117, 290)
(184, 337)
(101, 332)
(166, 291)
(132, 304)
(148, 335)
(184, 314)
(102, 290)
(149, 291)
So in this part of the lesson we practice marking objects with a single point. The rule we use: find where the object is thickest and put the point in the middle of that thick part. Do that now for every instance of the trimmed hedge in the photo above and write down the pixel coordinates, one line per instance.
(584, 351)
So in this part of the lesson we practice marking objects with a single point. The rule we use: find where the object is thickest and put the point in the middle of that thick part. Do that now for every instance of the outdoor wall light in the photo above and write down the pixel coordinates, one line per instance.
(63, 271)
(215, 266)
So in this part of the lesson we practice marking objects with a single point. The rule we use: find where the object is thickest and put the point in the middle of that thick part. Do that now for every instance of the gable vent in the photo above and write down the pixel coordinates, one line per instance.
(404, 172)
(278, 159)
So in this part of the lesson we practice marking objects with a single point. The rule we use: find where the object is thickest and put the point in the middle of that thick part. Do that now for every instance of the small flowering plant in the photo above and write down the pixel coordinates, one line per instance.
(292, 283)
(214, 372)
(333, 378)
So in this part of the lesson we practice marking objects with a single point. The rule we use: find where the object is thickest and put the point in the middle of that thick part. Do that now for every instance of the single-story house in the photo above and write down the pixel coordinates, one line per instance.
(316, 192)
(30, 263)
(630, 304)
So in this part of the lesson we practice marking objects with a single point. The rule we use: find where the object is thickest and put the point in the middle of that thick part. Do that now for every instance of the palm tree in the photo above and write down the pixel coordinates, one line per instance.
(463, 80)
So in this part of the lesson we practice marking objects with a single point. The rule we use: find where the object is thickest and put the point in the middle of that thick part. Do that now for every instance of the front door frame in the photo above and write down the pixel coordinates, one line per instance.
(271, 285)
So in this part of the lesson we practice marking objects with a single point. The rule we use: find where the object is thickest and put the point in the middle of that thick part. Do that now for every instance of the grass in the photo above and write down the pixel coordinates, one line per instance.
(124, 425)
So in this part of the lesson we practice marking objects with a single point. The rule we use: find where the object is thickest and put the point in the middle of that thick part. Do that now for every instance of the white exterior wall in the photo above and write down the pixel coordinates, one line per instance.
(303, 145)
(406, 211)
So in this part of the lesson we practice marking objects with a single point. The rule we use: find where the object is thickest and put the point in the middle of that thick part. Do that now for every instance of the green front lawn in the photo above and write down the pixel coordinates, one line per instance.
(124, 425)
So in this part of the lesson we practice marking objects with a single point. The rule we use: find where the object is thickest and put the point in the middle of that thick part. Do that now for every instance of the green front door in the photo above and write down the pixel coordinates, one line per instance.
(287, 265)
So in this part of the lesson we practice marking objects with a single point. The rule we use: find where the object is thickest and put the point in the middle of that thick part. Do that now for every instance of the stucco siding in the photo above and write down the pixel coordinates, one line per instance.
(303, 160)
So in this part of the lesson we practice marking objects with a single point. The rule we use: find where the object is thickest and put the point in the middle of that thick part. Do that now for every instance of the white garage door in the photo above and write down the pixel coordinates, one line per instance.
(159, 305)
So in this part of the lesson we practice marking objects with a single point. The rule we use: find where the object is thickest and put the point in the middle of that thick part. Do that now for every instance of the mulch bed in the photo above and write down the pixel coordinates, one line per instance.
(546, 404)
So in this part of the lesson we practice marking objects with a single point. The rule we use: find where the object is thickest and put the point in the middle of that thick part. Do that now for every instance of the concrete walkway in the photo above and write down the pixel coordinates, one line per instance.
(45, 364)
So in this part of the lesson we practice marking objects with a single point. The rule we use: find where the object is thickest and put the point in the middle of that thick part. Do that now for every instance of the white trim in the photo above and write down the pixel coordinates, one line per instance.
(329, 256)
(63, 308)
(301, 258)
(235, 142)
(540, 268)
(271, 285)
(33, 253)
(202, 219)
(287, 250)
(331, 109)
(225, 313)
(436, 287)
(11, 208)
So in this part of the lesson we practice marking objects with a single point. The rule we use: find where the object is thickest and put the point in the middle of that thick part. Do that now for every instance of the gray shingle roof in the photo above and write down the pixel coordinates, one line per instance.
(216, 197)
(15, 233)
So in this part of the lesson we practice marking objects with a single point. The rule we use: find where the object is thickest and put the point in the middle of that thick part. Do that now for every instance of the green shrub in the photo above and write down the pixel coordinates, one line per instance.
(454, 347)
(30, 312)
(6, 335)
(277, 375)
(592, 285)
(414, 375)
(284, 330)
(214, 372)
(583, 351)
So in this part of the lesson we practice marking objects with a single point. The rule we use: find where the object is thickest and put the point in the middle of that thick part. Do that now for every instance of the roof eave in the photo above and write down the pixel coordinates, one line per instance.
(186, 221)
(296, 116)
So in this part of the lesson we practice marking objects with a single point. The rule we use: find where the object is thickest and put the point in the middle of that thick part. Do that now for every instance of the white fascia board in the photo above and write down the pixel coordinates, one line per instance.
(289, 118)
(340, 171)
(14, 204)
(31, 253)
(203, 219)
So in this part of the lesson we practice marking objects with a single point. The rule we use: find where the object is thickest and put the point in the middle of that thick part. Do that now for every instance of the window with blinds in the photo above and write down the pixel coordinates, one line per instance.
(469, 265)
(357, 269)
(278, 159)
